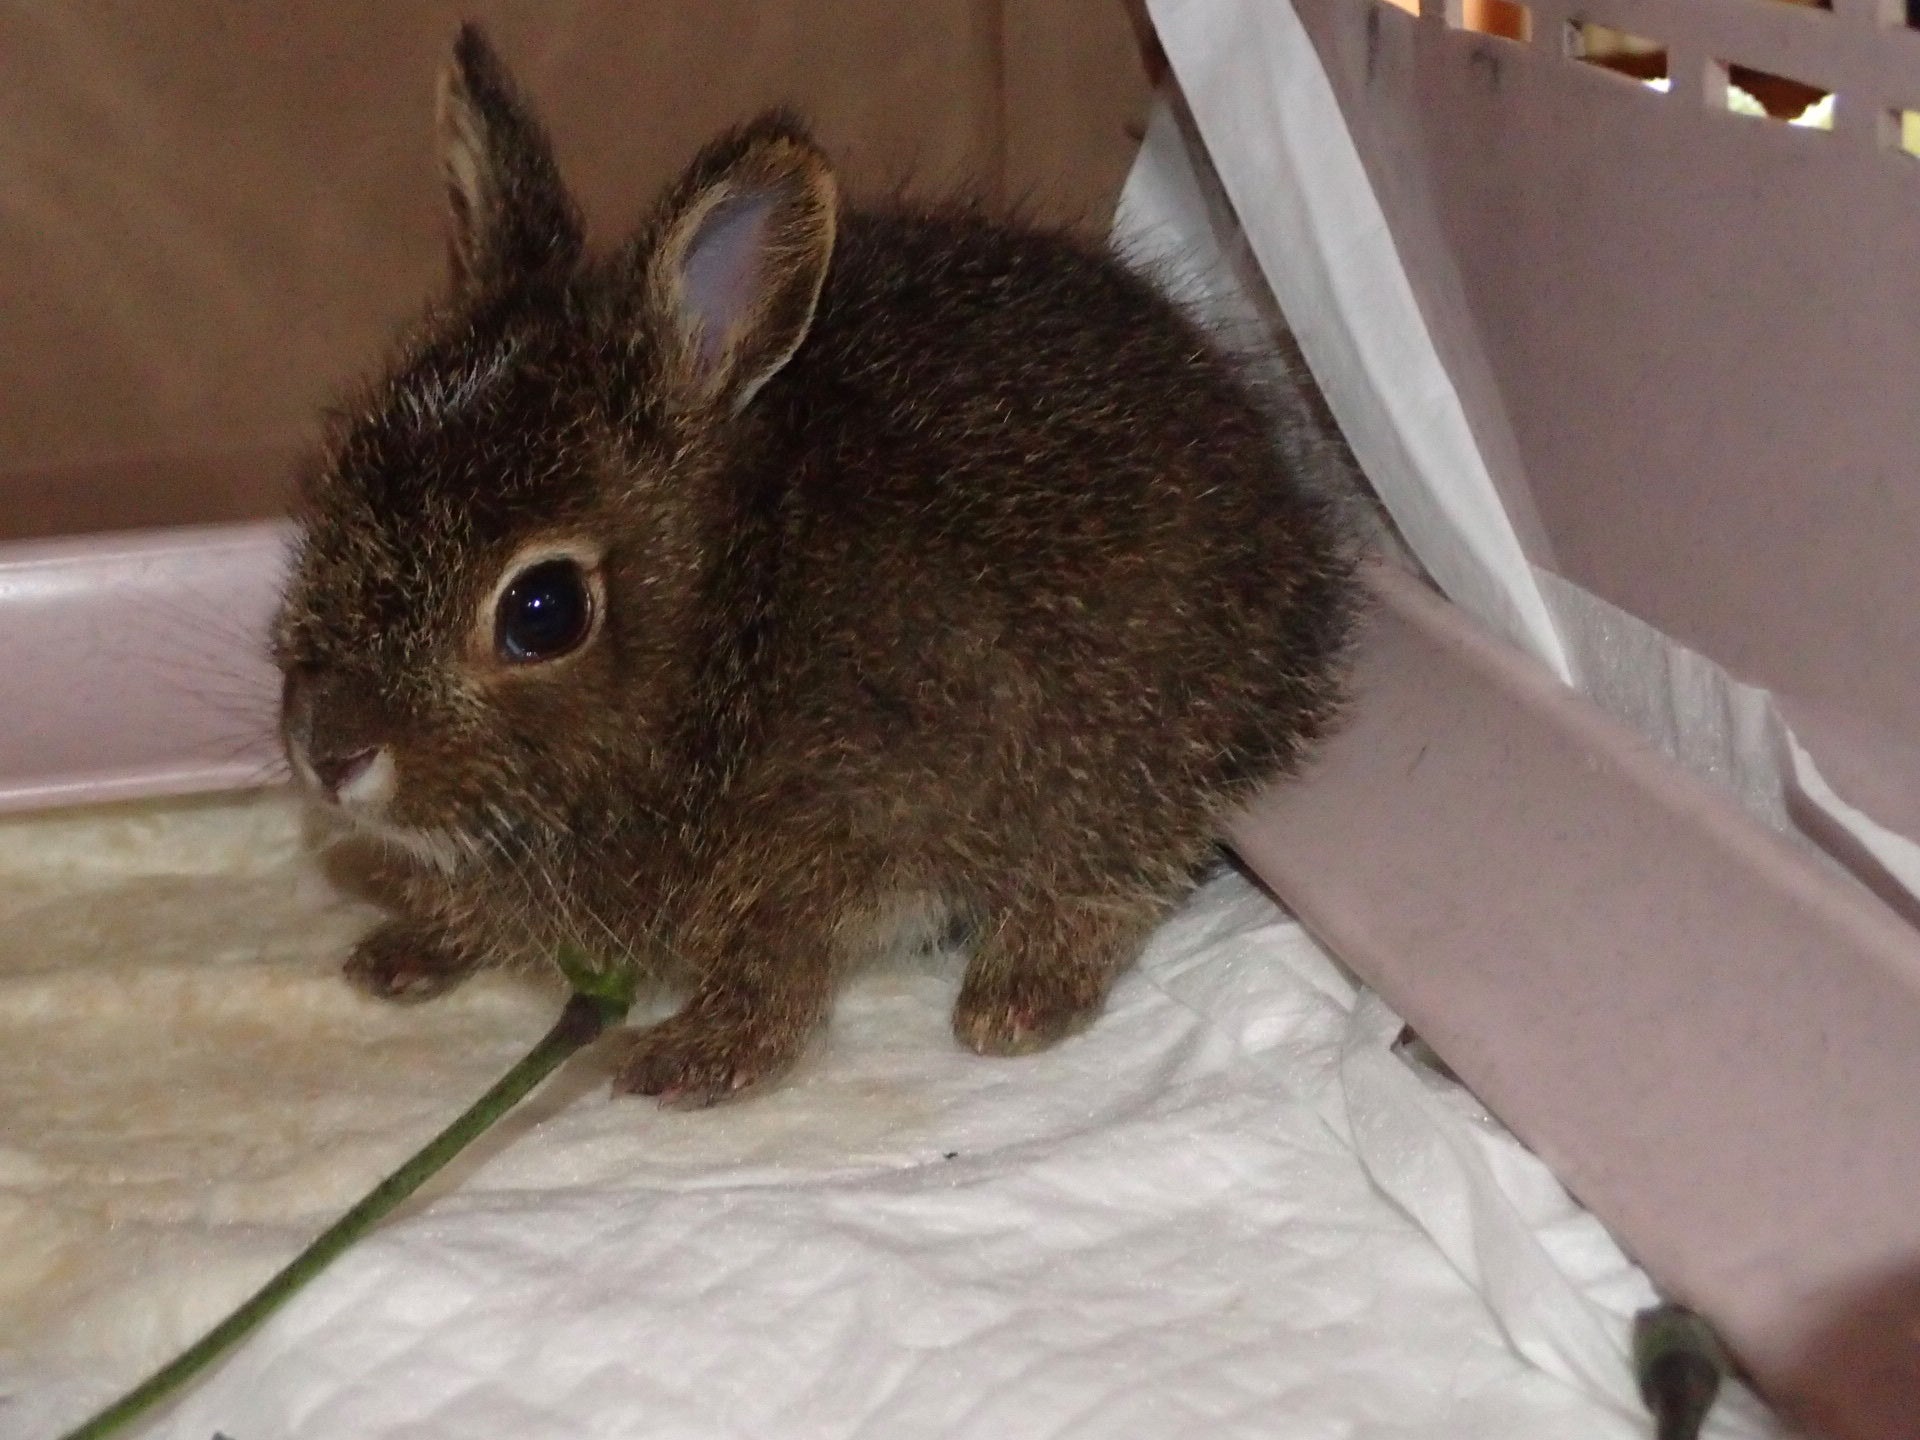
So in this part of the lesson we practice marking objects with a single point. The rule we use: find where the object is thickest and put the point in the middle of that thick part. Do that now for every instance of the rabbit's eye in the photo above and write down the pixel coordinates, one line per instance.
(545, 611)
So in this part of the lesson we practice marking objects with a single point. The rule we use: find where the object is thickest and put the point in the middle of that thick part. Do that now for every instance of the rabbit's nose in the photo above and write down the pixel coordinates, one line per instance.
(332, 754)
(358, 779)
(338, 772)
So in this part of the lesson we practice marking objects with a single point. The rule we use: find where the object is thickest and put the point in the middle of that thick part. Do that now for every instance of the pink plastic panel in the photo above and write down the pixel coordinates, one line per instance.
(136, 664)
(1689, 338)
(1714, 1044)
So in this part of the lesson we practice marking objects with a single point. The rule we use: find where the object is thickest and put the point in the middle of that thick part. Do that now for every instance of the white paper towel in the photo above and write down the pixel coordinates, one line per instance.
(1272, 128)
(1226, 1209)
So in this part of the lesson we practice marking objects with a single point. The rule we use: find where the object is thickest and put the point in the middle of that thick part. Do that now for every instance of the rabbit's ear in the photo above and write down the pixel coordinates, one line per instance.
(736, 259)
(512, 216)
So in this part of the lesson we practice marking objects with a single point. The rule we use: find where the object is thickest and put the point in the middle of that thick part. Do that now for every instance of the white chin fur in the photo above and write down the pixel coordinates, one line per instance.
(360, 809)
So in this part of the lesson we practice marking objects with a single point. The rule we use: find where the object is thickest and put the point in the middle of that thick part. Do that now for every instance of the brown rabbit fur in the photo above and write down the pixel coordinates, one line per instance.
(934, 569)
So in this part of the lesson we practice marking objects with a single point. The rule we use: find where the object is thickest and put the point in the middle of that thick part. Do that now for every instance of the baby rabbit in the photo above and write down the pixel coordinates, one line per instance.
(796, 572)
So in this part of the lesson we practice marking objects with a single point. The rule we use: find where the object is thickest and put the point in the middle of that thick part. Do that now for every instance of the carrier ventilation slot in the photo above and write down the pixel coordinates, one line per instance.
(1508, 20)
(1604, 48)
(1901, 131)
(1776, 97)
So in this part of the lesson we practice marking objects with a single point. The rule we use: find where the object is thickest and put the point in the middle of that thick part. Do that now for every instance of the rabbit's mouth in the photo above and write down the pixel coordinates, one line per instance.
(357, 790)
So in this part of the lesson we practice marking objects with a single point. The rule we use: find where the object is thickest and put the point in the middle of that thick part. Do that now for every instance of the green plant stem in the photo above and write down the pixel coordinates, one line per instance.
(588, 1013)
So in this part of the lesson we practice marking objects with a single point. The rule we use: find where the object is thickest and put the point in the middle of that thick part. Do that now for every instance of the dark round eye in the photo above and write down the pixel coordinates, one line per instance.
(544, 612)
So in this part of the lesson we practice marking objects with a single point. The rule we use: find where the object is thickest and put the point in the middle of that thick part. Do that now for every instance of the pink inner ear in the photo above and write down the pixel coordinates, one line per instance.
(720, 276)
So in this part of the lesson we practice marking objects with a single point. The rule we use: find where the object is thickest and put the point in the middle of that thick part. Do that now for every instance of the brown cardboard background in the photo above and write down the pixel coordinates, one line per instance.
(213, 213)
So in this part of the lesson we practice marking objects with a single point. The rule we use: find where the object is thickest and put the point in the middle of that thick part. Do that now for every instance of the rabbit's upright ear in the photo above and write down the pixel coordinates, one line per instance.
(733, 265)
(512, 216)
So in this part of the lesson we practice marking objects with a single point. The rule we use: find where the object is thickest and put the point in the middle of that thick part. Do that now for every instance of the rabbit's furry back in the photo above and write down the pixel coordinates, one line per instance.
(934, 566)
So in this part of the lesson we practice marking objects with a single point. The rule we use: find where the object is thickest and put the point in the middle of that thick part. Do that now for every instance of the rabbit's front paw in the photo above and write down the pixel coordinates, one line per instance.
(407, 962)
(1017, 1013)
(696, 1058)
